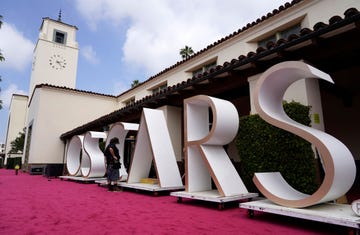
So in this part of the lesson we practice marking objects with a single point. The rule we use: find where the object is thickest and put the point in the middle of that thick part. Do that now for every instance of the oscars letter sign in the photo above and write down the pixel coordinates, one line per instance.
(120, 130)
(92, 161)
(339, 165)
(206, 157)
(73, 155)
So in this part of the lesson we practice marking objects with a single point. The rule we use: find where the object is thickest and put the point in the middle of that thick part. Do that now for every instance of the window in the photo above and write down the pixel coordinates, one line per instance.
(59, 37)
(209, 66)
(159, 88)
(130, 101)
(280, 34)
(197, 72)
(263, 42)
(204, 68)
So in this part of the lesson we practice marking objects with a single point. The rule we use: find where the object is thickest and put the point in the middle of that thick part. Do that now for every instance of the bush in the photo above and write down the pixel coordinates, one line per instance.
(265, 148)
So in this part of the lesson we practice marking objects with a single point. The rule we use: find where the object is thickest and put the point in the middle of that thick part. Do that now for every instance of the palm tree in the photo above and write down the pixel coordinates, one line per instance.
(135, 83)
(186, 52)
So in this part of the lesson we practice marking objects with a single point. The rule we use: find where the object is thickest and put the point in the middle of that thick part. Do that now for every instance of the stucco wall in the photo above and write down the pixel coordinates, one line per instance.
(17, 119)
(42, 71)
(56, 112)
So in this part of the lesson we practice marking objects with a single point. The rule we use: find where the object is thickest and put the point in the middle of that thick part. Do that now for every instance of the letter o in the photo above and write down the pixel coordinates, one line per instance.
(73, 155)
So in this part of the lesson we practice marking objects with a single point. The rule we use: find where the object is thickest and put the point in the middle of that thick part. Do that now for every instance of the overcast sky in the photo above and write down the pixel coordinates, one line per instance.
(119, 40)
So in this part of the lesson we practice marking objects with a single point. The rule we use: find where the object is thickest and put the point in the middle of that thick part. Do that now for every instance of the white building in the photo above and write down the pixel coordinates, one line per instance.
(16, 123)
(54, 105)
(321, 34)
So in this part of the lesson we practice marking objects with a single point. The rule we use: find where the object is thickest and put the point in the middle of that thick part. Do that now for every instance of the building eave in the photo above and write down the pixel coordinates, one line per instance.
(66, 89)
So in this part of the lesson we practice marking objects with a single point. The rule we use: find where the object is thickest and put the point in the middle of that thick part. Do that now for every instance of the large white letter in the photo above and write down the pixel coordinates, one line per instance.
(73, 152)
(120, 130)
(339, 165)
(93, 160)
(153, 143)
(205, 155)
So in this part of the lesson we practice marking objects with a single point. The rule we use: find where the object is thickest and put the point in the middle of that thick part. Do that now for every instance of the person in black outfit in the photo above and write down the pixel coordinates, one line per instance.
(112, 155)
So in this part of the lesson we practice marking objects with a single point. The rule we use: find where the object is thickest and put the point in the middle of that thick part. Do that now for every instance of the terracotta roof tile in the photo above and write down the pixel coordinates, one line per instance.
(260, 49)
(305, 31)
(270, 44)
(280, 41)
(241, 57)
(251, 54)
(335, 19)
(319, 26)
(351, 12)
(292, 37)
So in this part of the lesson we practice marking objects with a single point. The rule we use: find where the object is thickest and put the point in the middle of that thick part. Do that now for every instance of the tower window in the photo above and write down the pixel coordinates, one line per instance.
(59, 37)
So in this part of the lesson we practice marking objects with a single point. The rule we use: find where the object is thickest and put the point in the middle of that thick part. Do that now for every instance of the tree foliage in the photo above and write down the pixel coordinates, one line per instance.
(17, 145)
(135, 83)
(186, 52)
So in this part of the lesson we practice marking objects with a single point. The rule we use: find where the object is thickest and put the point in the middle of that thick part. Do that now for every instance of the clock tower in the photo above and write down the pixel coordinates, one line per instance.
(55, 55)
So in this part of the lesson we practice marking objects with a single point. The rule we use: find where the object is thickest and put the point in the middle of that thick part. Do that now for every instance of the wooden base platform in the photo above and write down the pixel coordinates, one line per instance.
(212, 196)
(331, 213)
(81, 179)
(149, 187)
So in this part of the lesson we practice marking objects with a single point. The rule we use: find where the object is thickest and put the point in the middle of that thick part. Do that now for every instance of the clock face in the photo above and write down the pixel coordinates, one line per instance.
(57, 62)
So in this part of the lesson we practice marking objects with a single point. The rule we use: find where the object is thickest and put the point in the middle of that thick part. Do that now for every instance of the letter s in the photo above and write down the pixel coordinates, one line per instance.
(339, 165)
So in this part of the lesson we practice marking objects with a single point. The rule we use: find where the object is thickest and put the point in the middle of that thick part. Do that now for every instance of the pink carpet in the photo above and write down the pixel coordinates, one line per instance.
(33, 205)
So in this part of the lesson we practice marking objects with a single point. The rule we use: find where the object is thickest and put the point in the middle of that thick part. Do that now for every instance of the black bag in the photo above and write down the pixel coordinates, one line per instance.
(116, 165)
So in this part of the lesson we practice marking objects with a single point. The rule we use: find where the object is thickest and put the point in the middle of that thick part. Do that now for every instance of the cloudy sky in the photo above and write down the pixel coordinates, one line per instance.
(119, 40)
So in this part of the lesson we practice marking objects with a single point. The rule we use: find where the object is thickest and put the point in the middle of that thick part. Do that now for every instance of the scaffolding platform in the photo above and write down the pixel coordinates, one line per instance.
(331, 213)
(81, 179)
(155, 188)
(212, 196)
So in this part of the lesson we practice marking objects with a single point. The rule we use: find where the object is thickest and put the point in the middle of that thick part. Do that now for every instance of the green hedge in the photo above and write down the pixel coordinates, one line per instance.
(265, 148)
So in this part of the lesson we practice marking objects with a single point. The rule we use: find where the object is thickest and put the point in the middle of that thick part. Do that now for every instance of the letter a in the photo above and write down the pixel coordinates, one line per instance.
(153, 143)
